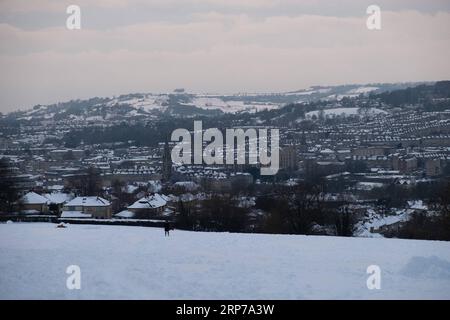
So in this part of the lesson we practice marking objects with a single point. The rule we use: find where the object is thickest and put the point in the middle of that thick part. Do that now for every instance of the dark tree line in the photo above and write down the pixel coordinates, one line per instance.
(9, 192)
(304, 210)
(434, 225)
(420, 94)
(88, 183)
(286, 210)
(219, 213)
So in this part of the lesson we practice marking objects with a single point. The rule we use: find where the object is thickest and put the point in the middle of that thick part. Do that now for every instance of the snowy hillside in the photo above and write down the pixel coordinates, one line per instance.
(345, 112)
(231, 106)
(145, 102)
(181, 103)
(137, 262)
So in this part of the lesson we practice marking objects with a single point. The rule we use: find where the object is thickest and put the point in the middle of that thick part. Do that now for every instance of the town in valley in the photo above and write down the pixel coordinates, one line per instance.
(355, 160)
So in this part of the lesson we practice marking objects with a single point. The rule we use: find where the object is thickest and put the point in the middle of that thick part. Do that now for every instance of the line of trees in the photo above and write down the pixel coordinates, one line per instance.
(88, 183)
(433, 225)
(9, 192)
(219, 213)
(303, 210)
(287, 210)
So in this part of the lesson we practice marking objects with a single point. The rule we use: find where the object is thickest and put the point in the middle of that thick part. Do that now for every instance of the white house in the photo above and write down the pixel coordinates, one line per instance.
(87, 207)
(57, 200)
(33, 203)
(149, 206)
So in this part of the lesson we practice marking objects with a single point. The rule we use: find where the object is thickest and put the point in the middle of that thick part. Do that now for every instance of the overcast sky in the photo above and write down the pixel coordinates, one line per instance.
(218, 46)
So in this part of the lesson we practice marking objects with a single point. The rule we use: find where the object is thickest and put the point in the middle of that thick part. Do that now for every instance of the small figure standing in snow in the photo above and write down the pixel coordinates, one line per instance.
(166, 228)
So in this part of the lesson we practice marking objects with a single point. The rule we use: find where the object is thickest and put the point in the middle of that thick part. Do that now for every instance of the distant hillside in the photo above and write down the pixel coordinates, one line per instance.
(182, 104)
(435, 96)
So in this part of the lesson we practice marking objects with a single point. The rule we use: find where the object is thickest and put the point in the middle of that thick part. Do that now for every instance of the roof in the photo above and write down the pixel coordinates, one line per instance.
(417, 205)
(58, 197)
(34, 198)
(189, 185)
(88, 202)
(150, 202)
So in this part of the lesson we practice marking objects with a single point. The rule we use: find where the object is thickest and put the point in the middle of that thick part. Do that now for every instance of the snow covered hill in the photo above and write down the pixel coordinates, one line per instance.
(120, 262)
(345, 112)
(181, 103)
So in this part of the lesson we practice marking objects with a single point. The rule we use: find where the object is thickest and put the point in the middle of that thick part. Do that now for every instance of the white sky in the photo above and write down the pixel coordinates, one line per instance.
(217, 46)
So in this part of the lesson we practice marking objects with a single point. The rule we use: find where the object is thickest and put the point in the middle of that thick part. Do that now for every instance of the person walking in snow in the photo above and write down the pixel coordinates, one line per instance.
(166, 228)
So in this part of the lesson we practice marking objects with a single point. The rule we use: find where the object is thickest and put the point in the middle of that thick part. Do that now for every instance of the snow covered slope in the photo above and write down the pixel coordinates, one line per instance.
(181, 103)
(231, 106)
(345, 112)
(136, 262)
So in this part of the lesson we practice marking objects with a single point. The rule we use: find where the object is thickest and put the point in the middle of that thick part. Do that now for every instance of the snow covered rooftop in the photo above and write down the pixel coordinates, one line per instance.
(150, 202)
(34, 198)
(417, 205)
(58, 197)
(88, 202)
(188, 185)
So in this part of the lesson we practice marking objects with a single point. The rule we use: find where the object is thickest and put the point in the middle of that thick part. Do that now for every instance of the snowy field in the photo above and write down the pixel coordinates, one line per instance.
(119, 262)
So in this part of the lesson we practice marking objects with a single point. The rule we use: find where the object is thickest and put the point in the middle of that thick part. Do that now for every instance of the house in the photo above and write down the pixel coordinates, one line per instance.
(87, 207)
(405, 164)
(433, 167)
(150, 206)
(56, 201)
(418, 206)
(288, 158)
(389, 224)
(33, 203)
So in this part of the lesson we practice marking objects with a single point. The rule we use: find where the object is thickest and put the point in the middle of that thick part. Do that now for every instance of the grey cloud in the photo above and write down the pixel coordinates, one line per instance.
(218, 47)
